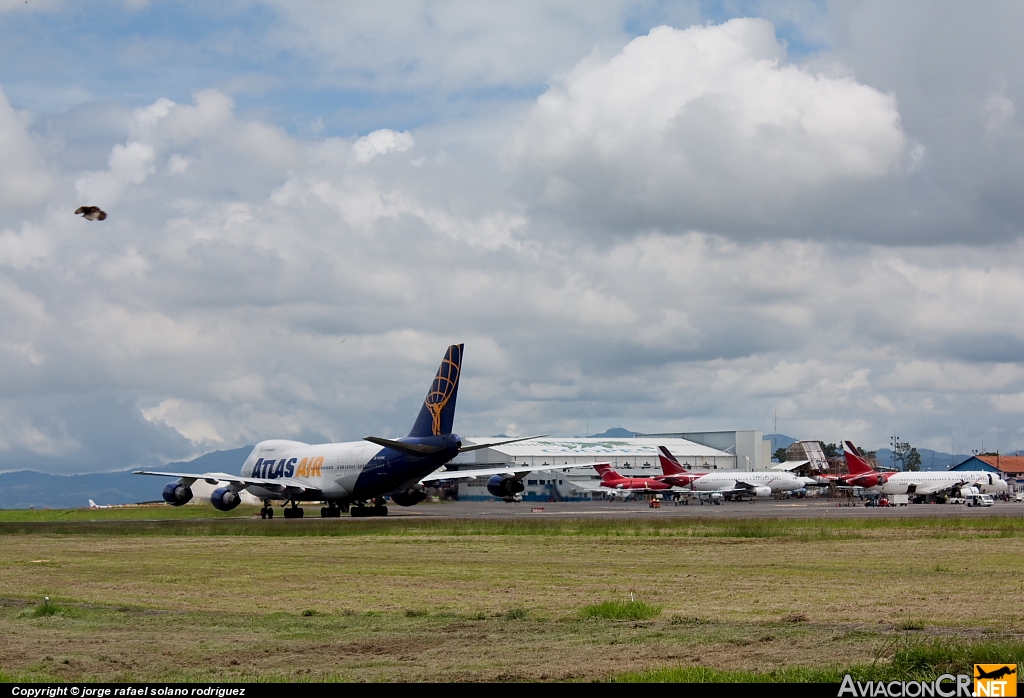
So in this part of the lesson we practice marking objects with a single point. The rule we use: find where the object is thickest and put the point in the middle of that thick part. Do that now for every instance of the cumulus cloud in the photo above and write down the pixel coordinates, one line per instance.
(380, 142)
(999, 112)
(257, 281)
(704, 127)
(24, 181)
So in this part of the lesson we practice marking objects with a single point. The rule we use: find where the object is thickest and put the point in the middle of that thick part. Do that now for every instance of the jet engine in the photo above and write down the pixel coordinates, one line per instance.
(225, 499)
(762, 491)
(177, 494)
(875, 480)
(409, 497)
(969, 491)
(502, 486)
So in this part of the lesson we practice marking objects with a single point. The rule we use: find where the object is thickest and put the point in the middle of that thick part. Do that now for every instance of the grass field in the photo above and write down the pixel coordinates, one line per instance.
(436, 599)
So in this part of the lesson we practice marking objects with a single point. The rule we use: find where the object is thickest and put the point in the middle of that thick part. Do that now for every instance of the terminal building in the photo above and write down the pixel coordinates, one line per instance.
(1009, 468)
(555, 478)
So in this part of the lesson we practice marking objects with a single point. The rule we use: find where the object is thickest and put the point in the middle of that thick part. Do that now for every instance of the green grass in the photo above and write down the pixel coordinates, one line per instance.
(701, 674)
(503, 600)
(155, 512)
(47, 609)
(899, 659)
(194, 521)
(620, 610)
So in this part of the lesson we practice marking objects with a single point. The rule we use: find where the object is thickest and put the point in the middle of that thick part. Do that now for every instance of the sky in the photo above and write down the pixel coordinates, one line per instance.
(798, 217)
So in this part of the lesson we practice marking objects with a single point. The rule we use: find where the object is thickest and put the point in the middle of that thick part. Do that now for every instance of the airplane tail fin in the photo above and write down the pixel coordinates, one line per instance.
(669, 464)
(92, 505)
(855, 462)
(606, 471)
(438, 412)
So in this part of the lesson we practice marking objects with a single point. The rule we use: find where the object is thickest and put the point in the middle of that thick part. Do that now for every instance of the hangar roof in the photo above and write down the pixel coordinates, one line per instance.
(602, 448)
(1007, 464)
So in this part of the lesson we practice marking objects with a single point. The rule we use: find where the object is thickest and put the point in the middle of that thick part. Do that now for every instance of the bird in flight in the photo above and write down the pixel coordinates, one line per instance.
(91, 213)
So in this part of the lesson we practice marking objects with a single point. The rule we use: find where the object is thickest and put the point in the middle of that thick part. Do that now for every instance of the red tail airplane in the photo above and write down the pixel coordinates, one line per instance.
(674, 473)
(861, 474)
(612, 479)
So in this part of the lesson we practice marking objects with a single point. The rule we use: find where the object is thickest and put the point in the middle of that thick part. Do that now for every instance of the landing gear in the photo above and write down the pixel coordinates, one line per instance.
(293, 512)
(330, 512)
(267, 512)
(378, 509)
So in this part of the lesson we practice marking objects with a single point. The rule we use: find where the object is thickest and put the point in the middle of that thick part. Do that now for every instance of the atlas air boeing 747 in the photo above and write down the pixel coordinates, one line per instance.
(353, 474)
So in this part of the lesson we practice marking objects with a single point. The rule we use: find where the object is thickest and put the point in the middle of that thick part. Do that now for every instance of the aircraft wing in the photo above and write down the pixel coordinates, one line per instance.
(938, 487)
(279, 485)
(517, 472)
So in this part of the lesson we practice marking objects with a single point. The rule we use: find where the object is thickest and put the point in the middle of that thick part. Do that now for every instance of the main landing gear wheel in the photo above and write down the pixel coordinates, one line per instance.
(293, 513)
(266, 513)
(379, 510)
(331, 512)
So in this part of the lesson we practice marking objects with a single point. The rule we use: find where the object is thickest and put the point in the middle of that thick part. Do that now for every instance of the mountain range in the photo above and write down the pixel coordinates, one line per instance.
(27, 489)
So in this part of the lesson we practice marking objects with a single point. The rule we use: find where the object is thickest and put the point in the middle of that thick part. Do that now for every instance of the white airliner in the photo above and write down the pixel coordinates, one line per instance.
(344, 475)
(916, 483)
(751, 483)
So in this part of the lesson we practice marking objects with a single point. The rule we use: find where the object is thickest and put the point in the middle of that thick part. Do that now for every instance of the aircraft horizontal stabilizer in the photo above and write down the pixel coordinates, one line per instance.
(477, 447)
(403, 447)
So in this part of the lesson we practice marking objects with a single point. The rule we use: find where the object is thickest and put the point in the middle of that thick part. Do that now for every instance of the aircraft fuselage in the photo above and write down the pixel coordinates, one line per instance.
(343, 472)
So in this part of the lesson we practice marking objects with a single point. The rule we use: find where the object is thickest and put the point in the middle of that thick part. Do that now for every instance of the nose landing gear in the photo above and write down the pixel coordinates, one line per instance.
(267, 512)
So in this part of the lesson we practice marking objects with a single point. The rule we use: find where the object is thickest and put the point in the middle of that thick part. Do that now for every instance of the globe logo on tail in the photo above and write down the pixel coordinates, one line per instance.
(444, 385)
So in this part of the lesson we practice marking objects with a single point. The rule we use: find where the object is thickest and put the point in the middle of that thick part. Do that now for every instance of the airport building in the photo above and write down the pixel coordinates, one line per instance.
(1009, 468)
(636, 456)
(752, 451)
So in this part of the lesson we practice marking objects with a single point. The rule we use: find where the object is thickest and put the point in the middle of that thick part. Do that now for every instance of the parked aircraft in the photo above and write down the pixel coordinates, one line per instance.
(752, 483)
(611, 479)
(94, 505)
(354, 474)
(916, 483)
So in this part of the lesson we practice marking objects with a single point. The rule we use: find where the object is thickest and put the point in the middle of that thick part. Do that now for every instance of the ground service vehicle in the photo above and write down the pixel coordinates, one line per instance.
(979, 500)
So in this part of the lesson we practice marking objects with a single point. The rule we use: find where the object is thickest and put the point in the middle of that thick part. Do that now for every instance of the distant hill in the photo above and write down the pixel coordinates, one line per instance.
(615, 433)
(26, 488)
(930, 460)
(780, 440)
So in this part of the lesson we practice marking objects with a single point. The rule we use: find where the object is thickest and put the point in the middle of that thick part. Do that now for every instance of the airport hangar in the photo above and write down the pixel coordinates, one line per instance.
(637, 456)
